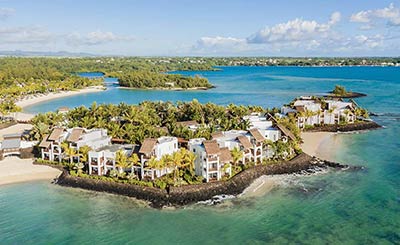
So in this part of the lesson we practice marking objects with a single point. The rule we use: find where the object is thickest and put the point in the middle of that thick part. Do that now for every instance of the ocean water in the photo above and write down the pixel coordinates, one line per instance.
(361, 207)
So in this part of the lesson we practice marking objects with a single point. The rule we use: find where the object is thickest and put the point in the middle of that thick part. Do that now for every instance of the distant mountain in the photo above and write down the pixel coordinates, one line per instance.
(44, 54)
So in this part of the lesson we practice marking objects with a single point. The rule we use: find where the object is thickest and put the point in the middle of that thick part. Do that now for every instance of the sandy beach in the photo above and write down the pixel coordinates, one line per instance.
(15, 170)
(312, 141)
(319, 144)
(34, 99)
(260, 186)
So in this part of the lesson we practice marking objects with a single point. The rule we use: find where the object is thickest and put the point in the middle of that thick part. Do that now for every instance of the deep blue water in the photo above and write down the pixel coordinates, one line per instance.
(360, 207)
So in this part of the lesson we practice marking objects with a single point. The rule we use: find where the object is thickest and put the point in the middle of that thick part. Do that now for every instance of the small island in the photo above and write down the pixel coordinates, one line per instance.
(152, 80)
(341, 92)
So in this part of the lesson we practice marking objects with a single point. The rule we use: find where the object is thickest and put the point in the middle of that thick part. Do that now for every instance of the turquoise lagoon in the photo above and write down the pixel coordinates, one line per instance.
(360, 207)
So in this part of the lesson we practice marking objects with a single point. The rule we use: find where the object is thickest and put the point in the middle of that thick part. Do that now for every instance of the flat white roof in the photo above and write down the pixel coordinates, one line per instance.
(165, 139)
(304, 102)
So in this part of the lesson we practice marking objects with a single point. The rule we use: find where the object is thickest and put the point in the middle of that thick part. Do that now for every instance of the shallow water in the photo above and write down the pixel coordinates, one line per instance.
(341, 207)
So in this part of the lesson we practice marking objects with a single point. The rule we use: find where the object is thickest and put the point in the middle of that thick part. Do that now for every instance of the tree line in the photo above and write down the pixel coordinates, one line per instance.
(147, 79)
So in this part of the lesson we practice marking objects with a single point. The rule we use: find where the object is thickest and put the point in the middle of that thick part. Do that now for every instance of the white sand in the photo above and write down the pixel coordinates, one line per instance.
(314, 142)
(319, 144)
(34, 99)
(15, 170)
(262, 185)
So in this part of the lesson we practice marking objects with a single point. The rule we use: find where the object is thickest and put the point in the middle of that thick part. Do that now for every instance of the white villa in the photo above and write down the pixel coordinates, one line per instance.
(156, 148)
(51, 145)
(265, 126)
(312, 112)
(212, 162)
(76, 137)
(213, 157)
(94, 138)
(103, 160)
(338, 109)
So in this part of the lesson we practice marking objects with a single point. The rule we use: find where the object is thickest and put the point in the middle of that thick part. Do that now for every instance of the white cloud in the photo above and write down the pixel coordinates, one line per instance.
(391, 14)
(31, 34)
(219, 45)
(298, 37)
(370, 42)
(6, 12)
(294, 31)
(219, 41)
(94, 38)
(335, 18)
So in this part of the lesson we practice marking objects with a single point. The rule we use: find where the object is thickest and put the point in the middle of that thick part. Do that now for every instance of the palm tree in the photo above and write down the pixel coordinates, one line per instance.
(121, 161)
(134, 161)
(237, 155)
(177, 163)
(168, 161)
(39, 130)
(152, 164)
(188, 159)
(84, 153)
(69, 151)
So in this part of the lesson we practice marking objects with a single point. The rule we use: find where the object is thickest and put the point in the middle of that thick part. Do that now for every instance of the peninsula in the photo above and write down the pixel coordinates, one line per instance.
(175, 154)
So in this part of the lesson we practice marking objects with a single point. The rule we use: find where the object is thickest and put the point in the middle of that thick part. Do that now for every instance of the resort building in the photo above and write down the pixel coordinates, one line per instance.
(211, 162)
(15, 145)
(51, 145)
(63, 110)
(103, 160)
(264, 125)
(249, 142)
(310, 111)
(77, 137)
(93, 138)
(337, 111)
(156, 148)
(192, 125)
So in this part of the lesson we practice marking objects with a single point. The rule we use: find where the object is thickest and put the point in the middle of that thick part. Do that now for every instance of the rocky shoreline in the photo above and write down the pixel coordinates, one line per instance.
(348, 95)
(358, 126)
(183, 195)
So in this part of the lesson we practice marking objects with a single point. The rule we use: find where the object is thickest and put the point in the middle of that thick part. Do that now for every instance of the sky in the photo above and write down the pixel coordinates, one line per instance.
(203, 28)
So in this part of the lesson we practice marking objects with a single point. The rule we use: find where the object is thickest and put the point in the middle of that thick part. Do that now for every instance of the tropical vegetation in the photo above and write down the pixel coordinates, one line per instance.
(147, 79)
(134, 123)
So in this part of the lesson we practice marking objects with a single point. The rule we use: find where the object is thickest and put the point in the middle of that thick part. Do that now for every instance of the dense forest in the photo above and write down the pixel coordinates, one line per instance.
(146, 79)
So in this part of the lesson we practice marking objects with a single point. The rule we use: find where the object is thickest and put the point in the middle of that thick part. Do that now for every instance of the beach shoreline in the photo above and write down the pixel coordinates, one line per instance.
(168, 88)
(38, 98)
(15, 170)
(319, 144)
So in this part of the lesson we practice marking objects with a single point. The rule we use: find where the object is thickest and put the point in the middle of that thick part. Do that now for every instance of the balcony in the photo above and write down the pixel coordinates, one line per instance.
(212, 159)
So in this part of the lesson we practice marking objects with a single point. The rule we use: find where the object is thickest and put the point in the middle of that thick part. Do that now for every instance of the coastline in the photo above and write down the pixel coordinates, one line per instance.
(187, 194)
(168, 89)
(38, 98)
(319, 144)
(16, 170)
